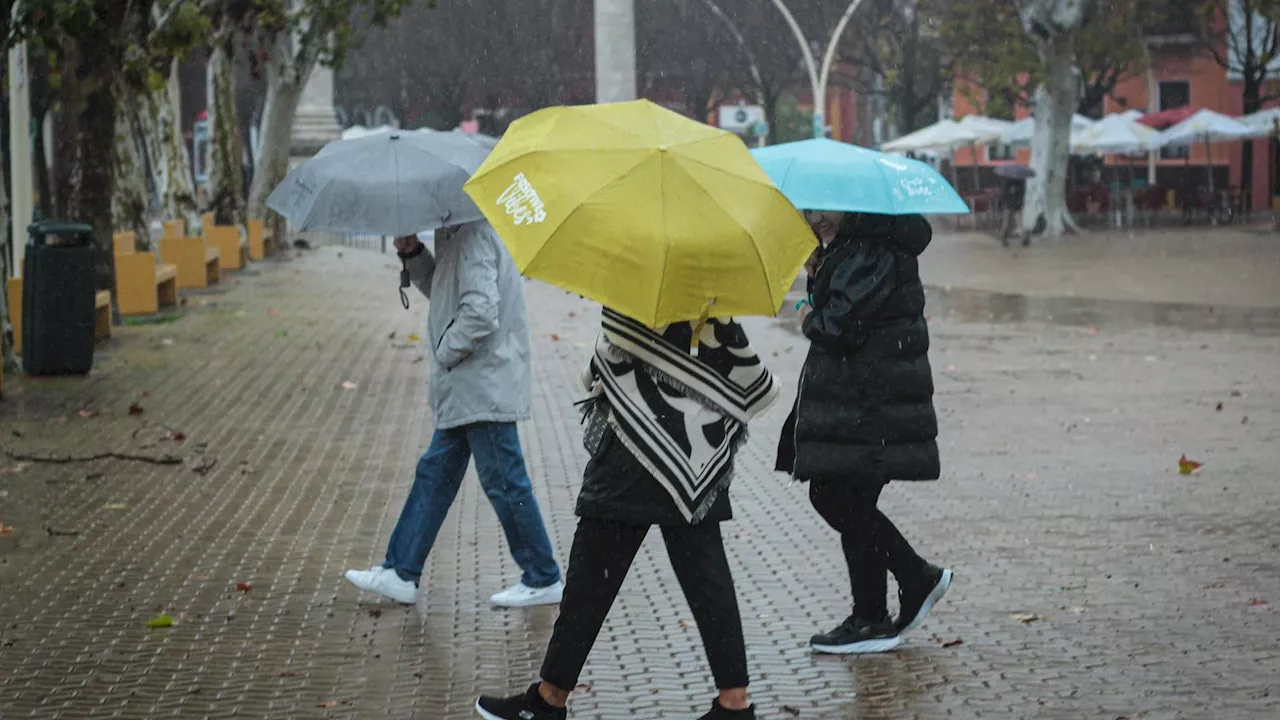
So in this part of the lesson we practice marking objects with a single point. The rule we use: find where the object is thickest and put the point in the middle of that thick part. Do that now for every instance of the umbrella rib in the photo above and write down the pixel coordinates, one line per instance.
(766, 183)
(755, 245)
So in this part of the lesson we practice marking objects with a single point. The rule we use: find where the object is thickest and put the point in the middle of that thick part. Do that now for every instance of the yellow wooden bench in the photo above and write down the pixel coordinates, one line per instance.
(101, 313)
(228, 240)
(261, 241)
(13, 290)
(142, 286)
(199, 265)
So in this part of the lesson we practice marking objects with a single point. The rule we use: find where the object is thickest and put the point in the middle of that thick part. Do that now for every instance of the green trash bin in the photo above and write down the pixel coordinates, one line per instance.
(58, 299)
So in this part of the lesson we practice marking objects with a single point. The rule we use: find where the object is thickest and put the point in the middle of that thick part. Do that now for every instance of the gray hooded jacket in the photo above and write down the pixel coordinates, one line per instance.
(477, 331)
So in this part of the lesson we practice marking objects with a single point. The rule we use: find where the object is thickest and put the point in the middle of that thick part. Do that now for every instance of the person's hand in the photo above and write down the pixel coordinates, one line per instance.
(811, 265)
(406, 244)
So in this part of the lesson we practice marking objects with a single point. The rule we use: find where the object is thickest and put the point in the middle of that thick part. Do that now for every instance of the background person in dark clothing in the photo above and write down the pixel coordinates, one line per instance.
(1013, 195)
(864, 415)
(662, 432)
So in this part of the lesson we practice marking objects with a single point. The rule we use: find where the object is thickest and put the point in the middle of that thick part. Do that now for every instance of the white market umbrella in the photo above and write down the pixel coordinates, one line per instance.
(1263, 122)
(1116, 134)
(989, 130)
(1208, 127)
(1023, 130)
(942, 135)
(359, 131)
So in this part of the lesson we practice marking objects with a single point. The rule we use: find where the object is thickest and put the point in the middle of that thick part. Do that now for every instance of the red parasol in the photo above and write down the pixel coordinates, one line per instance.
(1168, 118)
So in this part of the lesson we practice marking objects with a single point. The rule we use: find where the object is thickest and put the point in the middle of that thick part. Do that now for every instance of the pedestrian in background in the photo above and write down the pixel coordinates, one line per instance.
(662, 426)
(480, 388)
(864, 415)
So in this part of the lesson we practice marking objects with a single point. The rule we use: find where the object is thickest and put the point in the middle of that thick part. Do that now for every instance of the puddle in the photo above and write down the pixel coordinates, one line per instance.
(989, 307)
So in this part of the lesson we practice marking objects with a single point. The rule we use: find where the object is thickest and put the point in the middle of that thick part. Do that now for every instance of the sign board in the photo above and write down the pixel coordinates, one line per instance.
(200, 142)
(740, 118)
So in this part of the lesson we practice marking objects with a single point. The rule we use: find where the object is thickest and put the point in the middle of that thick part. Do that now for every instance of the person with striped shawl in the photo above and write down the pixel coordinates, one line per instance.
(665, 413)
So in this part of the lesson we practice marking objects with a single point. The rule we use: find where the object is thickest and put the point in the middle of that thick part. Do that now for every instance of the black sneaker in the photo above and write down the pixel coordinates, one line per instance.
(529, 706)
(917, 598)
(856, 635)
(719, 713)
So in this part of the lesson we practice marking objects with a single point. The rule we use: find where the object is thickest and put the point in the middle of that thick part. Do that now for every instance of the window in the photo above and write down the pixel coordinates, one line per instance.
(1001, 153)
(1175, 94)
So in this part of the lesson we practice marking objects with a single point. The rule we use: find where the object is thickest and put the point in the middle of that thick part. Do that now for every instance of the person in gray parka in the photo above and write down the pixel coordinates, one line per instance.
(478, 349)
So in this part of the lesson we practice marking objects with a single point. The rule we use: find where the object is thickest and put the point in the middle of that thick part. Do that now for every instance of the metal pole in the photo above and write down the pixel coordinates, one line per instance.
(615, 39)
(22, 200)
(819, 99)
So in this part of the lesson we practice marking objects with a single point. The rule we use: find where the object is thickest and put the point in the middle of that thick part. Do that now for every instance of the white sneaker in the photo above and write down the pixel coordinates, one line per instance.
(385, 582)
(522, 595)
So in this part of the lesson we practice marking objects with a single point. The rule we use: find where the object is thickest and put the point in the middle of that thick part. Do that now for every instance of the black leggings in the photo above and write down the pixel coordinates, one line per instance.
(601, 556)
(871, 543)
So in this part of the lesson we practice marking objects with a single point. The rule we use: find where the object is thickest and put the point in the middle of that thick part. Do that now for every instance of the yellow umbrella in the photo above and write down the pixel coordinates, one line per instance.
(655, 215)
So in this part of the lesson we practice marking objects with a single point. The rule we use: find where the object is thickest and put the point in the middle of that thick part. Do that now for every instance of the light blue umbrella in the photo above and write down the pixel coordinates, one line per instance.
(824, 174)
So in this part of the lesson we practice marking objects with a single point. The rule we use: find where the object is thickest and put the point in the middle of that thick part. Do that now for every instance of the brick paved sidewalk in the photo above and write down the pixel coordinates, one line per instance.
(1154, 592)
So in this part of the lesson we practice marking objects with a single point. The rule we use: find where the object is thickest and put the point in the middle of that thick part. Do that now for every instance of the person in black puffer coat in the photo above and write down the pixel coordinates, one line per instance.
(864, 414)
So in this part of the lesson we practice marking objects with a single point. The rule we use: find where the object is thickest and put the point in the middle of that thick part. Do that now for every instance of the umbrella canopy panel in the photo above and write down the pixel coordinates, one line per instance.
(825, 174)
(387, 183)
(1209, 127)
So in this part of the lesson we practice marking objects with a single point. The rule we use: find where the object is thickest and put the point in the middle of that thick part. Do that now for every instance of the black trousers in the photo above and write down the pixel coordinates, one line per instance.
(601, 556)
(872, 544)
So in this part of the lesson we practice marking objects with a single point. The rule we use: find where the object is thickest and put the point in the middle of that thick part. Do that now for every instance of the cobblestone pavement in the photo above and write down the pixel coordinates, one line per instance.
(1148, 594)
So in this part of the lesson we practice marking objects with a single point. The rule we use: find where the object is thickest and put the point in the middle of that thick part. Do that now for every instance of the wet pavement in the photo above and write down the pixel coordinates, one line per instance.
(1092, 579)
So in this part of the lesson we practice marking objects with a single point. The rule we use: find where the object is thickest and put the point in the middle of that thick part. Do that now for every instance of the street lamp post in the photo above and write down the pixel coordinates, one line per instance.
(818, 76)
(615, 37)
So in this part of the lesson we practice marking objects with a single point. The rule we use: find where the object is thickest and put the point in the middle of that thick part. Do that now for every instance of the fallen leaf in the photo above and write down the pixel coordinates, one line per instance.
(288, 673)
(582, 688)
(1244, 420)
(375, 613)
(86, 413)
(163, 620)
(555, 337)
(420, 358)
(573, 314)
(348, 385)
(59, 420)
(1213, 586)
(328, 704)
(1187, 467)
(243, 587)
(953, 643)
(115, 506)
(175, 435)
(1027, 618)
(15, 468)
(414, 337)
(793, 712)
(1256, 604)
(271, 312)
(392, 336)
(685, 624)
(6, 530)
(282, 333)
(1092, 330)
(1219, 407)
(1073, 610)
(743, 535)
(135, 409)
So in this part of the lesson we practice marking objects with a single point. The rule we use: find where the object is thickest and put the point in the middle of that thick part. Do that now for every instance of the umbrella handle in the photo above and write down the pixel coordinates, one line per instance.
(702, 322)
(404, 283)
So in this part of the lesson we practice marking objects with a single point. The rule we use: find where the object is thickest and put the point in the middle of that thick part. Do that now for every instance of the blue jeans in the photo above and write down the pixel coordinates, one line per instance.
(500, 465)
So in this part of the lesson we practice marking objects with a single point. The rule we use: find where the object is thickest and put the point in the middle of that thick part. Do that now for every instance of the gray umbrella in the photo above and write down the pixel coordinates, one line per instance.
(387, 183)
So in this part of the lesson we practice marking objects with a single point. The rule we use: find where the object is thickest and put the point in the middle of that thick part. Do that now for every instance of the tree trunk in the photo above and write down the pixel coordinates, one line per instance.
(1054, 103)
(170, 174)
(91, 172)
(1251, 105)
(7, 357)
(284, 90)
(129, 183)
(226, 179)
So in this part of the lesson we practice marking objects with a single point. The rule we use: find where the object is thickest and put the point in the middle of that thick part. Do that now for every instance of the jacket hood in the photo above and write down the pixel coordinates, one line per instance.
(905, 233)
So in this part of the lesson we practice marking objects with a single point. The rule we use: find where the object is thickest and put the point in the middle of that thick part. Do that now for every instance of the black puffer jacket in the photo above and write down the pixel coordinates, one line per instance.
(865, 404)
